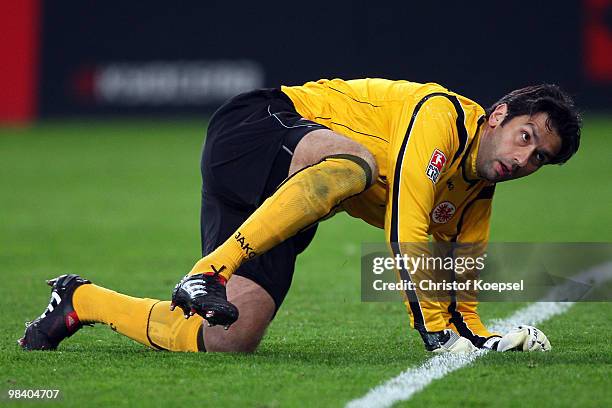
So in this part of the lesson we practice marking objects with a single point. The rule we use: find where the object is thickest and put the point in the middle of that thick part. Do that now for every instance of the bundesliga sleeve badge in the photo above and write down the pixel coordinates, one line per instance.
(435, 166)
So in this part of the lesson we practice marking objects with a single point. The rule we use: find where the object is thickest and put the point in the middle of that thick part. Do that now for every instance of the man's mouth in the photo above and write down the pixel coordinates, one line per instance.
(503, 171)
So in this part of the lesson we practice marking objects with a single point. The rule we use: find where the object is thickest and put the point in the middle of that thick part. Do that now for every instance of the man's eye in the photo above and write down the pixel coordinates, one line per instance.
(525, 136)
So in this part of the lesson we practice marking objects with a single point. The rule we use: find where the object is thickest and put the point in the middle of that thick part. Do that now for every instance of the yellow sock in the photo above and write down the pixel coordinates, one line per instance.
(148, 321)
(171, 331)
(302, 200)
(124, 314)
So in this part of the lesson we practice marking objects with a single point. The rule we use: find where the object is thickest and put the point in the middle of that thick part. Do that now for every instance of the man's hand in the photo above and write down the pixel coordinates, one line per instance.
(521, 338)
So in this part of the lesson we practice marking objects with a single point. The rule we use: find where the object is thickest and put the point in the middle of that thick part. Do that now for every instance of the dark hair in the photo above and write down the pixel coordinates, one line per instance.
(562, 114)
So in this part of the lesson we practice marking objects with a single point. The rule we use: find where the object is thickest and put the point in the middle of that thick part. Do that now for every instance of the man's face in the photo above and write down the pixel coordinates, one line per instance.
(518, 148)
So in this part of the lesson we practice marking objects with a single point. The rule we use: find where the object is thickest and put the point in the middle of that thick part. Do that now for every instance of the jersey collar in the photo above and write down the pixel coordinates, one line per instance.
(469, 164)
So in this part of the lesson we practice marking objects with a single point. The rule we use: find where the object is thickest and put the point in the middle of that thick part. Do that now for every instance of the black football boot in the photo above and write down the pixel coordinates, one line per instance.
(59, 320)
(205, 295)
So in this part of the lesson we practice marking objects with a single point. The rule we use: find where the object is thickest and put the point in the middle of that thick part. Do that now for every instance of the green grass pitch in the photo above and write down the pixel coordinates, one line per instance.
(118, 202)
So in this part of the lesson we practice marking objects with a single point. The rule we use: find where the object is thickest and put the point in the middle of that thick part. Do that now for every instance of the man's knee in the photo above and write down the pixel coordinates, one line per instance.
(256, 309)
(216, 342)
(368, 158)
(322, 143)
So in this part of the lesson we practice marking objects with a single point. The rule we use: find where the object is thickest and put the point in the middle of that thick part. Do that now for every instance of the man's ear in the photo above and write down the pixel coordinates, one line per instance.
(498, 115)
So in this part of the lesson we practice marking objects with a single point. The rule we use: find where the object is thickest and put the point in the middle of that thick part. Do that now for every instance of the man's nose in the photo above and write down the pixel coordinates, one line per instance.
(521, 157)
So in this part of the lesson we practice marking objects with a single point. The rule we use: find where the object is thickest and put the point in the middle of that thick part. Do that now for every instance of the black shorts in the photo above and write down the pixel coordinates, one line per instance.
(247, 153)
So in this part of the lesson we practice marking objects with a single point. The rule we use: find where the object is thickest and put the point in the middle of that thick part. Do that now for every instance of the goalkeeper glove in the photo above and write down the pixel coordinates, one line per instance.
(521, 338)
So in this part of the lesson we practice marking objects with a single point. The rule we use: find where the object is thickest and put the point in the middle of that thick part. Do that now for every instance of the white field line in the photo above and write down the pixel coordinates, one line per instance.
(413, 380)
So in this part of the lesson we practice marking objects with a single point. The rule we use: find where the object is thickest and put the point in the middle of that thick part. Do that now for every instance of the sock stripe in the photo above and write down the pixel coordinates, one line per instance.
(148, 320)
(200, 339)
(358, 160)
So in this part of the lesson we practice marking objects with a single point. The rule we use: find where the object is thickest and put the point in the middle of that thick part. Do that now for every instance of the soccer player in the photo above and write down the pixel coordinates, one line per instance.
(415, 159)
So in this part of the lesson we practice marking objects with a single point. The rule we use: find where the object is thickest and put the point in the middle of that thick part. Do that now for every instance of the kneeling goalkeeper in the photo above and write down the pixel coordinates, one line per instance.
(415, 159)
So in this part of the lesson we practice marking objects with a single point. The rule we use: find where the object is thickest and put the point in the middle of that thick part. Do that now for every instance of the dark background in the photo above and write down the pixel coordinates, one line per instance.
(480, 49)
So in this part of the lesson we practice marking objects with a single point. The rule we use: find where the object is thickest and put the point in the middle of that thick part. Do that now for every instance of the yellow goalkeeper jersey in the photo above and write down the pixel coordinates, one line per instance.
(425, 139)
